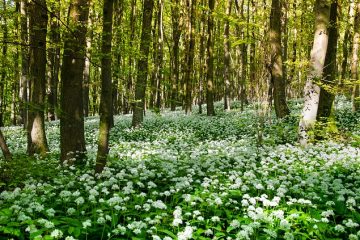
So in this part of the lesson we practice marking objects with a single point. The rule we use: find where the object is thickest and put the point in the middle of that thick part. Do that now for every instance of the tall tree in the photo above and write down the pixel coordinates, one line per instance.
(317, 61)
(355, 60)
(227, 62)
(3, 59)
(24, 81)
(190, 57)
(176, 34)
(4, 147)
(54, 60)
(37, 142)
(277, 75)
(327, 94)
(142, 70)
(72, 139)
(106, 87)
(210, 61)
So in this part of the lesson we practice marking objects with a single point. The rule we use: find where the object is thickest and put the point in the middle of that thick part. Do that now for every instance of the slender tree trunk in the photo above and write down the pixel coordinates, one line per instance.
(277, 75)
(210, 62)
(345, 45)
(87, 66)
(355, 61)
(176, 34)
(118, 18)
(327, 94)
(160, 55)
(190, 58)
(24, 62)
(318, 53)
(130, 80)
(54, 61)
(4, 148)
(106, 87)
(202, 65)
(227, 66)
(3, 72)
(37, 142)
(72, 139)
(142, 71)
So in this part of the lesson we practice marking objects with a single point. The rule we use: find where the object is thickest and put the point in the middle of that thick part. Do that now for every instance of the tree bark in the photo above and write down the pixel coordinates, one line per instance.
(355, 61)
(190, 58)
(277, 73)
(327, 94)
(142, 70)
(4, 147)
(3, 72)
(106, 87)
(54, 61)
(24, 81)
(318, 53)
(72, 139)
(227, 63)
(210, 62)
(37, 142)
(176, 34)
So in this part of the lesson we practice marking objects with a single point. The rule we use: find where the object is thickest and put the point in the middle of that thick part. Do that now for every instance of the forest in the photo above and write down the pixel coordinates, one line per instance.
(180, 119)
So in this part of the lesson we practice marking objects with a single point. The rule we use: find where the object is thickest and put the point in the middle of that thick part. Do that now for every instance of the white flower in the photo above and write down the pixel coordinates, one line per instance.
(79, 200)
(339, 228)
(235, 223)
(70, 238)
(215, 219)
(159, 204)
(86, 224)
(56, 233)
(186, 234)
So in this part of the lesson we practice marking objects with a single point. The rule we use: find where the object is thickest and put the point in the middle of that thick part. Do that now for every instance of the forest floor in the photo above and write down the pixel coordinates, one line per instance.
(239, 175)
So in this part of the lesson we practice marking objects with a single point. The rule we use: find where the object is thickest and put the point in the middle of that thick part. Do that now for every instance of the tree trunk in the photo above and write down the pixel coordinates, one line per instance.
(190, 58)
(210, 62)
(278, 80)
(130, 80)
(355, 61)
(4, 148)
(87, 66)
(227, 67)
(142, 71)
(24, 81)
(72, 139)
(37, 142)
(345, 46)
(3, 72)
(160, 55)
(176, 34)
(318, 53)
(106, 87)
(327, 94)
(54, 61)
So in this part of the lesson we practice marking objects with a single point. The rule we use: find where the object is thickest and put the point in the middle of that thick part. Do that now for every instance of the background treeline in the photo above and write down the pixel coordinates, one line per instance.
(72, 59)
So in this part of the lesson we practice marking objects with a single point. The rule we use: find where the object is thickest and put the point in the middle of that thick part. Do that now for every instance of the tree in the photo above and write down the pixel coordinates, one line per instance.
(37, 142)
(54, 60)
(24, 81)
(190, 57)
(355, 60)
(327, 86)
(142, 70)
(72, 139)
(210, 62)
(317, 61)
(176, 34)
(4, 147)
(277, 76)
(227, 67)
(106, 87)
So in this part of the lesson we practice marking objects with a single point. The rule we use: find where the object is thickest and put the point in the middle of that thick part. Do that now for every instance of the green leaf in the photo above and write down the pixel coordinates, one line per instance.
(167, 232)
